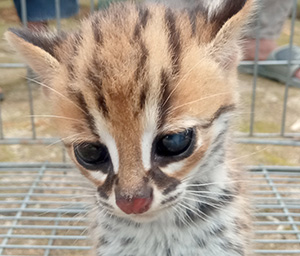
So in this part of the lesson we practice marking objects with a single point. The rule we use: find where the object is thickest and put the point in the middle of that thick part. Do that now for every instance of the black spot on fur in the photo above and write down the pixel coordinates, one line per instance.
(102, 241)
(217, 230)
(201, 243)
(127, 241)
(168, 253)
(107, 226)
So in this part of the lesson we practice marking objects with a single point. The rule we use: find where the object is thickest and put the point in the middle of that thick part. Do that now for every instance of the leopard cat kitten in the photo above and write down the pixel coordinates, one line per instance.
(145, 95)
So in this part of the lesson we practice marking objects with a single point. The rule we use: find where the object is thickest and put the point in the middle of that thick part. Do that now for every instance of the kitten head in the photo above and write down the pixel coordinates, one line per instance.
(145, 94)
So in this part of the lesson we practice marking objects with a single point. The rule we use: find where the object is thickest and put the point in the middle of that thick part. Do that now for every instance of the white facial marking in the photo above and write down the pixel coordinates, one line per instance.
(147, 141)
(107, 139)
(150, 130)
(199, 143)
(112, 148)
(174, 167)
(98, 175)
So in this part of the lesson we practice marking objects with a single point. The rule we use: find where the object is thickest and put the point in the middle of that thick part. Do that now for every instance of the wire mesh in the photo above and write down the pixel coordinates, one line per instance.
(43, 210)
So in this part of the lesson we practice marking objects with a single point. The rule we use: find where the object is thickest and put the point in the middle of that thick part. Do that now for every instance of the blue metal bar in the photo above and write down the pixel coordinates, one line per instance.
(255, 74)
(24, 12)
(58, 15)
(286, 93)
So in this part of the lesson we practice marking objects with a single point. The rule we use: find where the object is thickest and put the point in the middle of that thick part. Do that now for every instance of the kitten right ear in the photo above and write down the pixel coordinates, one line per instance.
(225, 26)
(37, 49)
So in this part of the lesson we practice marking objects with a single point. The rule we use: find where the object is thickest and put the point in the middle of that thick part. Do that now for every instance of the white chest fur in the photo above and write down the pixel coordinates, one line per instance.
(170, 235)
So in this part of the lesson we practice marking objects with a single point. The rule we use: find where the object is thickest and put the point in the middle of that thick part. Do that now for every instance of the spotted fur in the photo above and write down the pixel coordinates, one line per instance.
(128, 76)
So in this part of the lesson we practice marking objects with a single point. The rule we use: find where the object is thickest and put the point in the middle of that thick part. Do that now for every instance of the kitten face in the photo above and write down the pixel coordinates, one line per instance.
(145, 94)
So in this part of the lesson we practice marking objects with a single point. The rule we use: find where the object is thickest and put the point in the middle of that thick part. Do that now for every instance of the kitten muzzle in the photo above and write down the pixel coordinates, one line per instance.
(135, 204)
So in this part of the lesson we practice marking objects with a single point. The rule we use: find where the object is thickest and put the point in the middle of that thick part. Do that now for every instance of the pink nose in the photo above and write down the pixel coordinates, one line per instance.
(135, 205)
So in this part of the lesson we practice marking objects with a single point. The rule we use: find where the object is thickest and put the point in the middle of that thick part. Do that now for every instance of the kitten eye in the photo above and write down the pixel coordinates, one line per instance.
(91, 155)
(174, 144)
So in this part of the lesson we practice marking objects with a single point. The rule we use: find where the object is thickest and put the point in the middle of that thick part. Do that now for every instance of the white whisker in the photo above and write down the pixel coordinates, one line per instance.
(58, 93)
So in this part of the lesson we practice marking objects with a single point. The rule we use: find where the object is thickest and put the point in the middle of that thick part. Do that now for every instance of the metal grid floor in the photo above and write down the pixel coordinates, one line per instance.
(41, 212)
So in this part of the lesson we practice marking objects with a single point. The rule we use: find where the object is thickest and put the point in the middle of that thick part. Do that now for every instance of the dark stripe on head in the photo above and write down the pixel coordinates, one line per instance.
(162, 180)
(164, 94)
(79, 100)
(217, 114)
(96, 82)
(143, 95)
(140, 70)
(75, 43)
(144, 16)
(174, 40)
(96, 30)
(198, 12)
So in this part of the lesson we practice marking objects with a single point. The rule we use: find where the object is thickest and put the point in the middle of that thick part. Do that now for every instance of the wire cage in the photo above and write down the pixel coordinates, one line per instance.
(41, 206)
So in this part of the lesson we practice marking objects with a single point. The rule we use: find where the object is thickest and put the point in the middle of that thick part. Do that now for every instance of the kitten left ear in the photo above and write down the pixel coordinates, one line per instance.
(38, 50)
(228, 23)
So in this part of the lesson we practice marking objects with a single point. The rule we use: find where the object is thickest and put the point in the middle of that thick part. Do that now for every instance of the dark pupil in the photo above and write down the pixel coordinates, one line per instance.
(92, 154)
(175, 144)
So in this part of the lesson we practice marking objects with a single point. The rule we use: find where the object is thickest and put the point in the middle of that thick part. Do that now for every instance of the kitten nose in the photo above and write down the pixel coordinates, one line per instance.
(136, 204)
